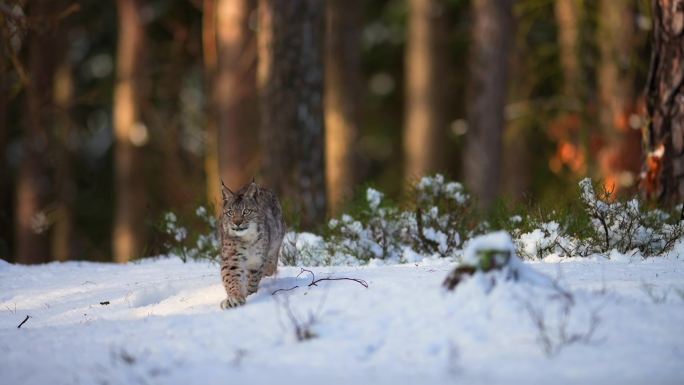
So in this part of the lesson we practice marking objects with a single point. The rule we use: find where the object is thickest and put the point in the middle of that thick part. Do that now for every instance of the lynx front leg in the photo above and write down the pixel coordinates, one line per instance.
(233, 277)
(253, 279)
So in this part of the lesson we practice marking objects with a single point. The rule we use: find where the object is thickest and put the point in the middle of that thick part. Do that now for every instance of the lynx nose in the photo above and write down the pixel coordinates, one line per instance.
(237, 221)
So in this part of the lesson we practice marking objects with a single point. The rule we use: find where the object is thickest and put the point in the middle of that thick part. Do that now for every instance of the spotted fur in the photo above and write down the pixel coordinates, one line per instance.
(252, 230)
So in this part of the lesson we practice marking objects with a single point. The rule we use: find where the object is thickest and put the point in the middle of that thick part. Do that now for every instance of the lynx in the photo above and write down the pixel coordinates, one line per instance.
(252, 230)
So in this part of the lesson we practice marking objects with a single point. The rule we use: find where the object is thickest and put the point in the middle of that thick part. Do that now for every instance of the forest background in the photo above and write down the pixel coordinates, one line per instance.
(114, 112)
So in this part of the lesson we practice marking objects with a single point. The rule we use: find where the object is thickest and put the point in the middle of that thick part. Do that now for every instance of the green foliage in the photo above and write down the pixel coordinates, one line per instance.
(202, 245)
(596, 223)
(438, 218)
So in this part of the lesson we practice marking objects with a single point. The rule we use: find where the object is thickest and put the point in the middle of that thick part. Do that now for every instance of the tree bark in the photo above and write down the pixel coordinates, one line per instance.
(491, 39)
(230, 63)
(211, 138)
(290, 77)
(342, 104)
(6, 188)
(33, 183)
(235, 97)
(620, 154)
(663, 169)
(566, 12)
(425, 125)
(129, 221)
(62, 233)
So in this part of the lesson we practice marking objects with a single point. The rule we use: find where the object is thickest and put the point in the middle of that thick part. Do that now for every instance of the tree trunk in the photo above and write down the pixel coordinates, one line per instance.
(6, 188)
(425, 126)
(620, 155)
(62, 233)
(566, 12)
(33, 184)
(211, 138)
(342, 88)
(235, 98)
(663, 169)
(491, 39)
(130, 134)
(230, 64)
(290, 79)
(178, 179)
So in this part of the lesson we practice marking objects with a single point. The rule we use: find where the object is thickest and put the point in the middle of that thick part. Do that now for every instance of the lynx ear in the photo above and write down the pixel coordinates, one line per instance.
(225, 192)
(252, 190)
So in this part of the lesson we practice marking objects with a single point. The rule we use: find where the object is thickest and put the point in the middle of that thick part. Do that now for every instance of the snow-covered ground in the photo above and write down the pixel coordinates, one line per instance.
(623, 323)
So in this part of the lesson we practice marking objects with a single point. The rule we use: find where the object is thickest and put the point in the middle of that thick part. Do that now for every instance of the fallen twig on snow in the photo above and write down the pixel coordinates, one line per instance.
(24, 321)
(292, 288)
(314, 281)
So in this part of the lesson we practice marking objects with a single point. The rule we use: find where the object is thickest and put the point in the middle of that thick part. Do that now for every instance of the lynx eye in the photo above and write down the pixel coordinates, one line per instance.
(229, 212)
(246, 212)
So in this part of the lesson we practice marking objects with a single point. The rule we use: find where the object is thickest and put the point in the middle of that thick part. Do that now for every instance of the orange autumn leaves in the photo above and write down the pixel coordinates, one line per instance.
(613, 153)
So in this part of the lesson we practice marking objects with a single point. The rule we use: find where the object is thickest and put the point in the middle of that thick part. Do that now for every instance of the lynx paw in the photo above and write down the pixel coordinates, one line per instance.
(232, 302)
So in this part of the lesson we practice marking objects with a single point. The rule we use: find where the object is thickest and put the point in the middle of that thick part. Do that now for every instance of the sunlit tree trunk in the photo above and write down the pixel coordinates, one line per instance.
(211, 138)
(62, 233)
(663, 169)
(290, 77)
(425, 122)
(230, 62)
(489, 56)
(33, 182)
(567, 18)
(620, 152)
(130, 132)
(235, 97)
(342, 89)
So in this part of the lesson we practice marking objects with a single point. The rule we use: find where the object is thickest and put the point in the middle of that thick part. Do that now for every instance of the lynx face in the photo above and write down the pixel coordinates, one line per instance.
(240, 212)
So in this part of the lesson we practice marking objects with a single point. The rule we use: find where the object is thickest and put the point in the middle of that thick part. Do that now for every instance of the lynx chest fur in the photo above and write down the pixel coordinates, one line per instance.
(252, 230)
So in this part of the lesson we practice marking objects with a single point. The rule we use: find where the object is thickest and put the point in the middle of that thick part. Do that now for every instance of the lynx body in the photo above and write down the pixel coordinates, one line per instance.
(252, 230)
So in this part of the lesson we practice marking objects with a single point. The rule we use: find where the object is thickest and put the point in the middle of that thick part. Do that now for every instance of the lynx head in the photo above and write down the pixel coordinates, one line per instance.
(240, 210)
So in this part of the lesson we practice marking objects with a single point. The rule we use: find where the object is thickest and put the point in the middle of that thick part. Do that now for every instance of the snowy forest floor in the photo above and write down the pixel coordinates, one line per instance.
(158, 321)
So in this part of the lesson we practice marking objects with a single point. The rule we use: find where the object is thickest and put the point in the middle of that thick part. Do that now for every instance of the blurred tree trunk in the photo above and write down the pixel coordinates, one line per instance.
(663, 169)
(230, 60)
(129, 221)
(6, 187)
(567, 15)
(174, 175)
(425, 125)
(211, 139)
(33, 183)
(620, 151)
(490, 45)
(62, 233)
(235, 97)
(290, 79)
(342, 104)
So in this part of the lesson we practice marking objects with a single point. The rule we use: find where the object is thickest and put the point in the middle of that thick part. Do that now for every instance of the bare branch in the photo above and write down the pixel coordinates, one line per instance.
(314, 281)
(23, 322)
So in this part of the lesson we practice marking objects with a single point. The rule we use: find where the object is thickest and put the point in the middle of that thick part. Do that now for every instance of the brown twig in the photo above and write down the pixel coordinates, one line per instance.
(292, 288)
(314, 281)
(23, 322)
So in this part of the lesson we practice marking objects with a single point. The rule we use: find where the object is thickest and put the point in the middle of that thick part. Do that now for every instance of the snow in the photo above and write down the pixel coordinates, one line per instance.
(498, 241)
(374, 198)
(163, 324)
